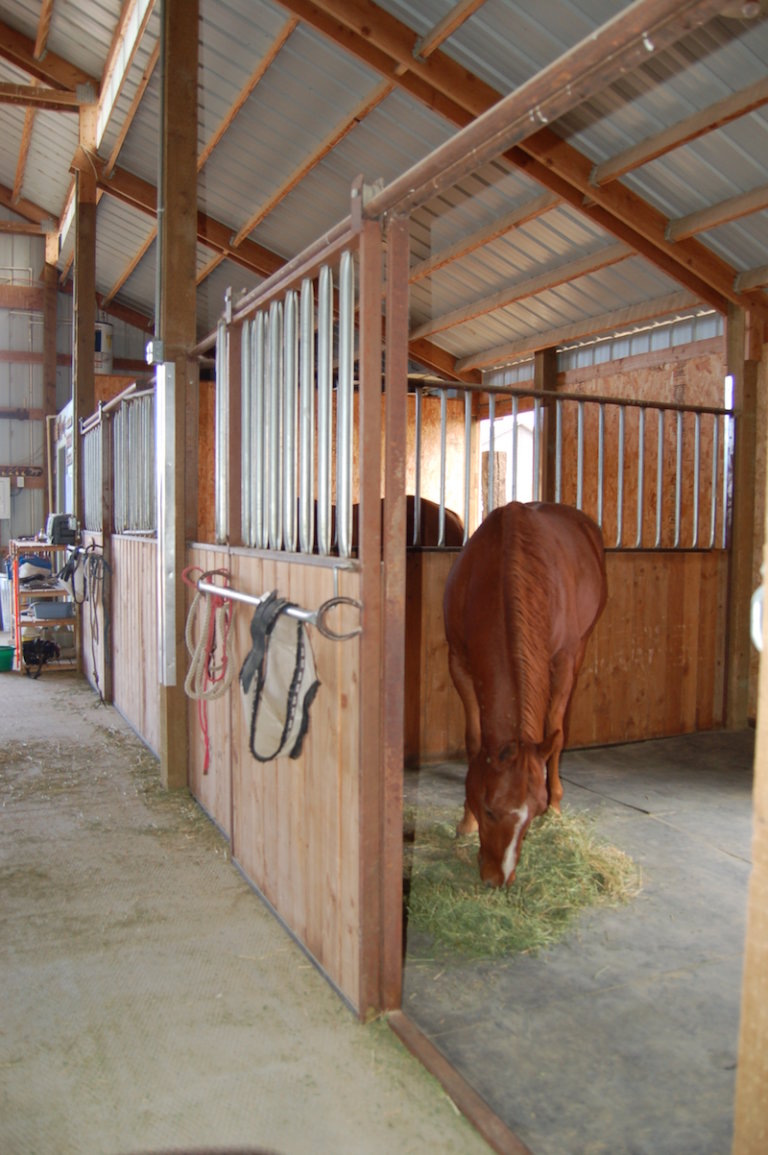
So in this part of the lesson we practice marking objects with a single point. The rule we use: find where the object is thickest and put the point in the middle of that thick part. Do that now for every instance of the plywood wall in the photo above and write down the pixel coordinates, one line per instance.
(653, 667)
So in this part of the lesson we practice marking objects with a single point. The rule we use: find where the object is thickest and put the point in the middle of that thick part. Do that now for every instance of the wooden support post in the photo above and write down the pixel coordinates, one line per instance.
(393, 624)
(370, 753)
(751, 1105)
(742, 564)
(50, 288)
(177, 332)
(545, 378)
(83, 388)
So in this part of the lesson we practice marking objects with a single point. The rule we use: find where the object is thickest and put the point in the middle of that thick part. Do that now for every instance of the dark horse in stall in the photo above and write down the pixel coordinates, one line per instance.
(429, 524)
(520, 603)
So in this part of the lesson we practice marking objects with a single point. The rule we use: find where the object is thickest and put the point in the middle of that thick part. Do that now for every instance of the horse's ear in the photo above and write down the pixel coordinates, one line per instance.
(545, 748)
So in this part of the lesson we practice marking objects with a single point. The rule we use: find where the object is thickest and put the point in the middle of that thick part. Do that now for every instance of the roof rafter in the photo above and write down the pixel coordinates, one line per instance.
(53, 70)
(385, 43)
(516, 291)
(699, 124)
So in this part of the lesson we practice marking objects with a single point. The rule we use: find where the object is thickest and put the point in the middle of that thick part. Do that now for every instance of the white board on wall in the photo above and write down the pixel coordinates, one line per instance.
(5, 497)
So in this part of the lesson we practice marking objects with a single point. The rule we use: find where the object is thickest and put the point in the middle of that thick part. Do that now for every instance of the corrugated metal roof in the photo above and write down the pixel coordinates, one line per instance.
(315, 112)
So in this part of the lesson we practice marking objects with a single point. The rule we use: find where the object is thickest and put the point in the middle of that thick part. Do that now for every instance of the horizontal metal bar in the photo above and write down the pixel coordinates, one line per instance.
(310, 617)
(544, 395)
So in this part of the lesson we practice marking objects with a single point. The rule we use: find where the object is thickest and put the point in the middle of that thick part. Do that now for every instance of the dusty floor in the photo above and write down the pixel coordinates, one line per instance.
(622, 1039)
(149, 1000)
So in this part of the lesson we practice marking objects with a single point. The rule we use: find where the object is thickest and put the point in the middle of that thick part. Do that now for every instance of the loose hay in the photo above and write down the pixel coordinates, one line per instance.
(564, 868)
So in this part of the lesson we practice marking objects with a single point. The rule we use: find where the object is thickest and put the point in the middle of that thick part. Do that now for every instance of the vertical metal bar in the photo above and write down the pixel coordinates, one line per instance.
(728, 439)
(620, 480)
(600, 463)
(678, 477)
(696, 478)
(246, 437)
(290, 406)
(715, 456)
(580, 456)
(467, 458)
(640, 475)
(443, 444)
(274, 408)
(221, 437)
(559, 449)
(417, 472)
(344, 402)
(258, 408)
(659, 475)
(307, 418)
(324, 388)
(515, 430)
(491, 452)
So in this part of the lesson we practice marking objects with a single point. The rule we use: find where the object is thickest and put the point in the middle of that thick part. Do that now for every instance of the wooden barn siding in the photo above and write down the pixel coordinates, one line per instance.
(654, 665)
(293, 824)
(134, 635)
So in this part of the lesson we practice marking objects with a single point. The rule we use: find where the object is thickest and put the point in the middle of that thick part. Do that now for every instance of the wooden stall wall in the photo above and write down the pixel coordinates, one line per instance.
(134, 635)
(293, 823)
(653, 667)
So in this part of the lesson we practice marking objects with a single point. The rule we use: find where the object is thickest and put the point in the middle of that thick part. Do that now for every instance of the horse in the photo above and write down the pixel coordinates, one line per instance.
(520, 603)
(429, 525)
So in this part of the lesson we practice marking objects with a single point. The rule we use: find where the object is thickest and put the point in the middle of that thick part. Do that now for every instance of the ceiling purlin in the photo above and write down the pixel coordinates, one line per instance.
(19, 50)
(384, 42)
(691, 128)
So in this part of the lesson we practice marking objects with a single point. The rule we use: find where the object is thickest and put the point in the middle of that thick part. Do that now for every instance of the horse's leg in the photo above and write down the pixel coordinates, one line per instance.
(564, 668)
(465, 686)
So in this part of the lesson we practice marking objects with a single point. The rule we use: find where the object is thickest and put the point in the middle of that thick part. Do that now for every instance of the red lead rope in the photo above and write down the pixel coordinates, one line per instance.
(210, 671)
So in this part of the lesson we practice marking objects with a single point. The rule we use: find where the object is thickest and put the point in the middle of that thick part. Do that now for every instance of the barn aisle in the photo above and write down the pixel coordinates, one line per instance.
(150, 1001)
(621, 1040)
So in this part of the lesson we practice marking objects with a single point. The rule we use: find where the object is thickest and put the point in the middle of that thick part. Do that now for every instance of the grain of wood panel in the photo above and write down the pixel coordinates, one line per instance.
(134, 635)
(295, 822)
(653, 666)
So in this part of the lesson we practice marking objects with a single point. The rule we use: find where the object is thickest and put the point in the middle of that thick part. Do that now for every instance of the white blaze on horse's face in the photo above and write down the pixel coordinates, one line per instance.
(509, 861)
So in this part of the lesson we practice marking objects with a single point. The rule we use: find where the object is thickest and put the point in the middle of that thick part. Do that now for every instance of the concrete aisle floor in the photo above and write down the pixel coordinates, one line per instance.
(149, 1000)
(622, 1040)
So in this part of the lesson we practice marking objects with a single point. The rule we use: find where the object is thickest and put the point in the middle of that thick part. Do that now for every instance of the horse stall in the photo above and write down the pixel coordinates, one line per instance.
(312, 452)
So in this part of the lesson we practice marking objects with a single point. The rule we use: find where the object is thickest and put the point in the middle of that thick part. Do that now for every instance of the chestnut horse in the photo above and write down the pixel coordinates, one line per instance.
(520, 603)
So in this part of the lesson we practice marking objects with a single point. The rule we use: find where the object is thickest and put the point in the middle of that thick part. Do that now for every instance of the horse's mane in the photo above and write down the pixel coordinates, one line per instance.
(526, 583)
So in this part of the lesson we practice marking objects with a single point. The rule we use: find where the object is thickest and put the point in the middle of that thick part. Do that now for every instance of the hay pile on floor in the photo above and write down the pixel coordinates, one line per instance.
(564, 868)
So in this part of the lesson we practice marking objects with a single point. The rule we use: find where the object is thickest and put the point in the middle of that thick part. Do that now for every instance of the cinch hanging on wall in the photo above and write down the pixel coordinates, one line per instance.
(278, 681)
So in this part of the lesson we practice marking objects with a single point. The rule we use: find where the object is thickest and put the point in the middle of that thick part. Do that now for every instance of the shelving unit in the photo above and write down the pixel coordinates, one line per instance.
(25, 624)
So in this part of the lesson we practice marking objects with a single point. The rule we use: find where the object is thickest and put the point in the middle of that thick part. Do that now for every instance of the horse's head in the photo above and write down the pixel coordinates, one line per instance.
(506, 790)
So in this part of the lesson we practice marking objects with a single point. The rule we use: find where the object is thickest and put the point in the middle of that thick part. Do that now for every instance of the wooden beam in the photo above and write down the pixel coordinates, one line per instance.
(741, 559)
(752, 278)
(246, 91)
(176, 330)
(570, 271)
(472, 241)
(51, 69)
(699, 124)
(33, 96)
(23, 229)
(26, 297)
(336, 134)
(439, 33)
(129, 30)
(734, 208)
(384, 44)
(578, 330)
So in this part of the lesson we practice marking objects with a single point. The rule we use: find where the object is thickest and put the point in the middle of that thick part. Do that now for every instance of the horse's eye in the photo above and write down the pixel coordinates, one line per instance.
(489, 813)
